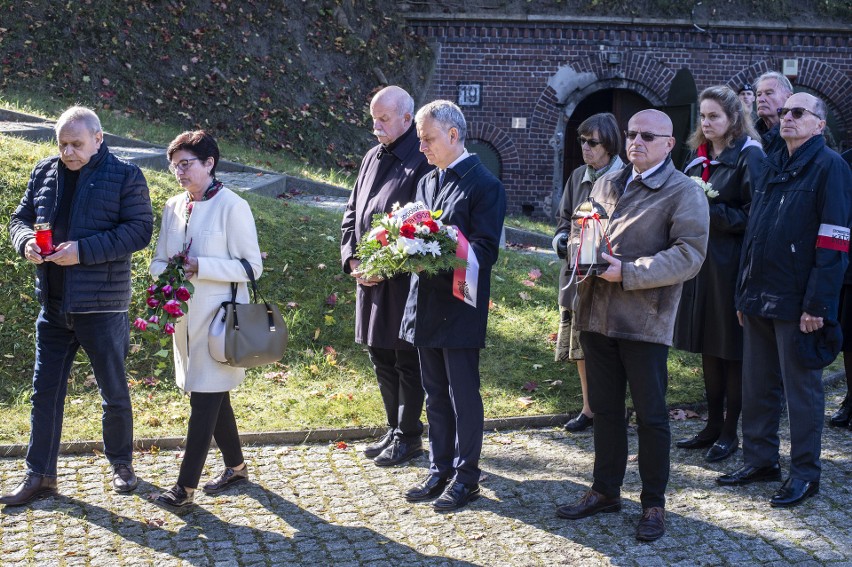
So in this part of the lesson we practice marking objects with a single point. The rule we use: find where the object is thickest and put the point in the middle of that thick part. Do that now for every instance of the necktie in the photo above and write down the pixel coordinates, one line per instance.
(633, 181)
(441, 175)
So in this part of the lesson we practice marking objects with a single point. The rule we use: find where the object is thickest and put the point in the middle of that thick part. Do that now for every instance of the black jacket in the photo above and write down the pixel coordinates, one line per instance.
(782, 272)
(110, 219)
(473, 200)
(771, 138)
(388, 175)
(706, 319)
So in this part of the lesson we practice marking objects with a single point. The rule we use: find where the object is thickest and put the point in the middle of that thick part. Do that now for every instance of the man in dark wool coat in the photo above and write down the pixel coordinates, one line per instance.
(446, 314)
(389, 174)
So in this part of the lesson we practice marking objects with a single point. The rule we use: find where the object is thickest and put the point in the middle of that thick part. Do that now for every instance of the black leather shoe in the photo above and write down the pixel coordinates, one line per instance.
(721, 450)
(455, 496)
(590, 504)
(696, 442)
(226, 478)
(176, 497)
(33, 486)
(843, 416)
(793, 491)
(123, 478)
(374, 449)
(430, 488)
(747, 475)
(399, 452)
(579, 423)
(652, 526)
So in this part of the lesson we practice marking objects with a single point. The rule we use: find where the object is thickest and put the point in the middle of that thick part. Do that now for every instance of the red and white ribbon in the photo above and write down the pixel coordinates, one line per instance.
(466, 279)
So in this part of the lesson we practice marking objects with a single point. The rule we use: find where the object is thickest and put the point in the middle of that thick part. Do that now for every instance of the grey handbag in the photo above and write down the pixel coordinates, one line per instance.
(246, 335)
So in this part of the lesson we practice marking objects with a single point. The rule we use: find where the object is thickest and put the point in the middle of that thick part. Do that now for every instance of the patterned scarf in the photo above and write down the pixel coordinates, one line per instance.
(593, 175)
(209, 193)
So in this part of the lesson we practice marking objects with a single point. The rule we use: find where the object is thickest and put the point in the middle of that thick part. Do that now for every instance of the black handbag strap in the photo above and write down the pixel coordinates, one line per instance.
(254, 294)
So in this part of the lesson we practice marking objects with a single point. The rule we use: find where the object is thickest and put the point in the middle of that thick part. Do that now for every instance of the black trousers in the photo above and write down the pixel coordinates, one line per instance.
(454, 411)
(612, 365)
(398, 374)
(211, 417)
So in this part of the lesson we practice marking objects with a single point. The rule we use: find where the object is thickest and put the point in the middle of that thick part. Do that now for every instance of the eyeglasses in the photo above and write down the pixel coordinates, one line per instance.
(646, 136)
(592, 143)
(182, 165)
(797, 112)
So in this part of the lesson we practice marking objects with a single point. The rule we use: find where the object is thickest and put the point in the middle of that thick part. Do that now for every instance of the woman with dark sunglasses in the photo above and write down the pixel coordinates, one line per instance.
(726, 154)
(600, 142)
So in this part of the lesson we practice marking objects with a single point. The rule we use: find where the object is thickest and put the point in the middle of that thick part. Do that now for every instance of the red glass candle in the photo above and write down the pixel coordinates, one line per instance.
(44, 238)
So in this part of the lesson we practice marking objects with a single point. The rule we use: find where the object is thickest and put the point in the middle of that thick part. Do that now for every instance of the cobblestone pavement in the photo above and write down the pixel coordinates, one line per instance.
(326, 505)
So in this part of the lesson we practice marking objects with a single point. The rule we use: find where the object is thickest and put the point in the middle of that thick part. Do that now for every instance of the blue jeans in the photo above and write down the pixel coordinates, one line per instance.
(105, 337)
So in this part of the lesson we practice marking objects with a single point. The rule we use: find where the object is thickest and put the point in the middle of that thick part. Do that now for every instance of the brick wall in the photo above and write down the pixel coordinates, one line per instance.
(541, 68)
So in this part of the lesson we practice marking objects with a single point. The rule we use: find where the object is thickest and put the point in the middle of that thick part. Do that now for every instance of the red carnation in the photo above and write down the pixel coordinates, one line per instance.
(407, 231)
(431, 225)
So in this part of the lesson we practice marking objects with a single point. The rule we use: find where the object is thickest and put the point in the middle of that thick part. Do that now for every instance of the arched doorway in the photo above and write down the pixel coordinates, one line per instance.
(622, 103)
(487, 154)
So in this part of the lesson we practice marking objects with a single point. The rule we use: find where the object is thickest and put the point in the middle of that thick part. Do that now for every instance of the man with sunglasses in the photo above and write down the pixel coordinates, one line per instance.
(792, 267)
(773, 89)
(99, 212)
(657, 228)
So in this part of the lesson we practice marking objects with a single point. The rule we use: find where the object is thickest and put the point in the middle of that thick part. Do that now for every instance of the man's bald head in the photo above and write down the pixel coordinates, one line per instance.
(657, 127)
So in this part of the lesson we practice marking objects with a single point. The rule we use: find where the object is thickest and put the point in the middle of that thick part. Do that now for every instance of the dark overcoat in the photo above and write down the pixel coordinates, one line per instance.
(783, 272)
(388, 175)
(707, 320)
(473, 200)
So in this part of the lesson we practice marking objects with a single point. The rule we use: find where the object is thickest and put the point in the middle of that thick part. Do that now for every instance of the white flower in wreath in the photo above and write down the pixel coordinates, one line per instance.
(432, 248)
(453, 233)
(410, 246)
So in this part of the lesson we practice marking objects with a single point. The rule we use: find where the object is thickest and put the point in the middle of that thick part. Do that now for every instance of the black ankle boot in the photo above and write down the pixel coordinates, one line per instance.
(843, 415)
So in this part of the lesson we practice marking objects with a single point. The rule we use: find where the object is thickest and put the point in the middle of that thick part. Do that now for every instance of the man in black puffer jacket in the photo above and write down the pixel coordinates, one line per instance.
(100, 213)
(794, 256)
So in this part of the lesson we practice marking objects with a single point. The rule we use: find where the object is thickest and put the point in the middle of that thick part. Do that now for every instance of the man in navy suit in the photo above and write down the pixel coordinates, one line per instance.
(446, 314)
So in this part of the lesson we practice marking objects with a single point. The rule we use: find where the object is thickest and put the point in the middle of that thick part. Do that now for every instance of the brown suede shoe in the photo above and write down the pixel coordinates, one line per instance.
(652, 526)
(32, 487)
(590, 504)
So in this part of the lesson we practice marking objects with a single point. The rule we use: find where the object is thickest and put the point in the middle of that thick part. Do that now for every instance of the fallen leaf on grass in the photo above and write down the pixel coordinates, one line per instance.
(154, 522)
(552, 337)
(331, 299)
(528, 283)
(530, 386)
(534, 274)
(292, 305)
(537, 366)
(524, 295)
(525, 401)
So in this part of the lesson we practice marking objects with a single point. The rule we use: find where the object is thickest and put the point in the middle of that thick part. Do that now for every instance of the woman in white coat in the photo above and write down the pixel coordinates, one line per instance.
(219, 228)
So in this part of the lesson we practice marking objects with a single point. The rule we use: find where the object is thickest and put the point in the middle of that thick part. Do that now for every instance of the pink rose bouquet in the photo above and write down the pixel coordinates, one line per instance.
(168, 297)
